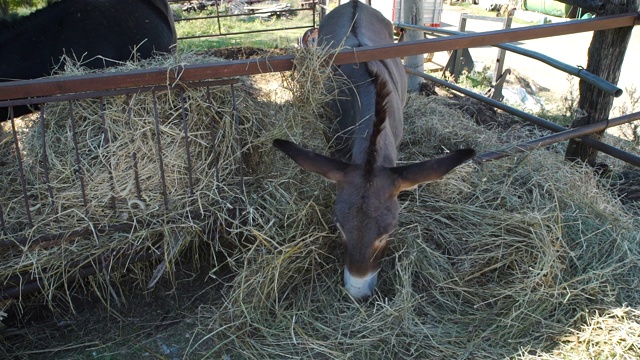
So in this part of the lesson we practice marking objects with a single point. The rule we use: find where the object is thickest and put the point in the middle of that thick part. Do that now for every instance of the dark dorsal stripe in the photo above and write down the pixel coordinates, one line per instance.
(382, 93)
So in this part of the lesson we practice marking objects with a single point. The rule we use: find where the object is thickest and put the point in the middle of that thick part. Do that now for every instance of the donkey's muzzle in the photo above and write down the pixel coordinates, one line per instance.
(360, 287)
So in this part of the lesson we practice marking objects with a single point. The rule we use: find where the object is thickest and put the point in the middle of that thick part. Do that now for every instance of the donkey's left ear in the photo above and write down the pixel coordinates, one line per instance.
(332, 169)
(412, 175)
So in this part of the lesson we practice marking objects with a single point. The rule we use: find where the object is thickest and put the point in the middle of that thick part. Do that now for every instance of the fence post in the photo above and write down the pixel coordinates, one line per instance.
(497, 73)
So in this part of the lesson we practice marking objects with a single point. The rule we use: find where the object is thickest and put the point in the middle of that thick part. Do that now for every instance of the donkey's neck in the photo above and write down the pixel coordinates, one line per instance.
(377, 145)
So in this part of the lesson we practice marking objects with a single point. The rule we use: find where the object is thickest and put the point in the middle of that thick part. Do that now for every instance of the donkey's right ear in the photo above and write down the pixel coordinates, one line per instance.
(331, 169)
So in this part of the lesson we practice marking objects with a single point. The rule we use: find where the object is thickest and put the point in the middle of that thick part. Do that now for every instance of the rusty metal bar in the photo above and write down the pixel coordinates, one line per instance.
(213, 138)
(581, 73)
(313, 9)
(45, 158)
(187, 150)
(106, 141)
(162, 76)
(218, 19)
(241, 32)
(239, 15)
(598, 145)
(114, 92)
(23, 180)
(163, 180)
(236, 121)
(134, 155)
(76, 147)
(554, 138)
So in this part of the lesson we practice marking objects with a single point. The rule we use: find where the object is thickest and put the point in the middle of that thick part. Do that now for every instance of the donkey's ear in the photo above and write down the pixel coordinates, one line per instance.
(331, 169)
(410, 176)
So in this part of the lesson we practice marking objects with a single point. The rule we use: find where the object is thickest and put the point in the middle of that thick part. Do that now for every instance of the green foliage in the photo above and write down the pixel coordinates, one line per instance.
(21, 7)
(480, 80)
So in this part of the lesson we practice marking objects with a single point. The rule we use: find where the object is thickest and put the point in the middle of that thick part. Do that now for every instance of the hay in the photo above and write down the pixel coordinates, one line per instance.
(610, 335)
(511, 259)
(119, 168)
(485, 264)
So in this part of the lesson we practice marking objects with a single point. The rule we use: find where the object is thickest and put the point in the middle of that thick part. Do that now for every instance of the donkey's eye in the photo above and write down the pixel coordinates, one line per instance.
(381, 243)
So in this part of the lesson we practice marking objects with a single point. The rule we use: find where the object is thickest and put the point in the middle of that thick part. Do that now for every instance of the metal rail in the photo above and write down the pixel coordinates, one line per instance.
(554, 138)
(220, 33)
(107, 84)
(598, 145)
(114, 92)
(583, 74)
(164, 76)
(26, 282)
(242, 32)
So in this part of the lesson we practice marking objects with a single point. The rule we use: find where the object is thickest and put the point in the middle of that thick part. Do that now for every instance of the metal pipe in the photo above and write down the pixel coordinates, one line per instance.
(598, 145)
(242, 32)
(115, 92)
(222, 69)
(583, 74)
(554, 138)
(262, 12)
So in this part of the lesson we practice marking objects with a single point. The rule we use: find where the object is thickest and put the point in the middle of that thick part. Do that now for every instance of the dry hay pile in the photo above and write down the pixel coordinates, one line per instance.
(105, 171)
(524, 257)
(508, 259)
(491, 262)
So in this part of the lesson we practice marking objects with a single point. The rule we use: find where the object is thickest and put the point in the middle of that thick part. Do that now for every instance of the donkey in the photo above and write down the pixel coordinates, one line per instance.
(366, 127)
(100, 33)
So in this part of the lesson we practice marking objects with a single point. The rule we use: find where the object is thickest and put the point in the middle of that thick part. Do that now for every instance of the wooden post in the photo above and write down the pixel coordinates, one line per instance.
(322, 4)
(497, 87)
(456, 69)
(606, 54)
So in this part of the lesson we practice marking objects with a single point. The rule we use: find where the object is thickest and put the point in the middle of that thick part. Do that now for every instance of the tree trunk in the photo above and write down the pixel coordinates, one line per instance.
(412, 13)
(606, 54)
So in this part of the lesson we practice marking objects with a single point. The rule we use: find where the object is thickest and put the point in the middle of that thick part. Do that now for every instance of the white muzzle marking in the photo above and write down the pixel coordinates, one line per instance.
(360, 287)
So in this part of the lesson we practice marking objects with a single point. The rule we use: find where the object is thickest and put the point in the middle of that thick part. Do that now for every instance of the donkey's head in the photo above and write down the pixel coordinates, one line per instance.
(366, 207)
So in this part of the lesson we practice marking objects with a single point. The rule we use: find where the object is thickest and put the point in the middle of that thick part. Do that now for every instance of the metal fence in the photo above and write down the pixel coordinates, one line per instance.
(156, 80)
(239, 9)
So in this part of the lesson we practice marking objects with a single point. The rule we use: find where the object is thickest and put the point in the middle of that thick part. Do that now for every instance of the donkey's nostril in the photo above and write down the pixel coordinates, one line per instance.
(360, 287)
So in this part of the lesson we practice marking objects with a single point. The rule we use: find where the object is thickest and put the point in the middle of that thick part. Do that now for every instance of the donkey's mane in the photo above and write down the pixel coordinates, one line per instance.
(382, 93)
